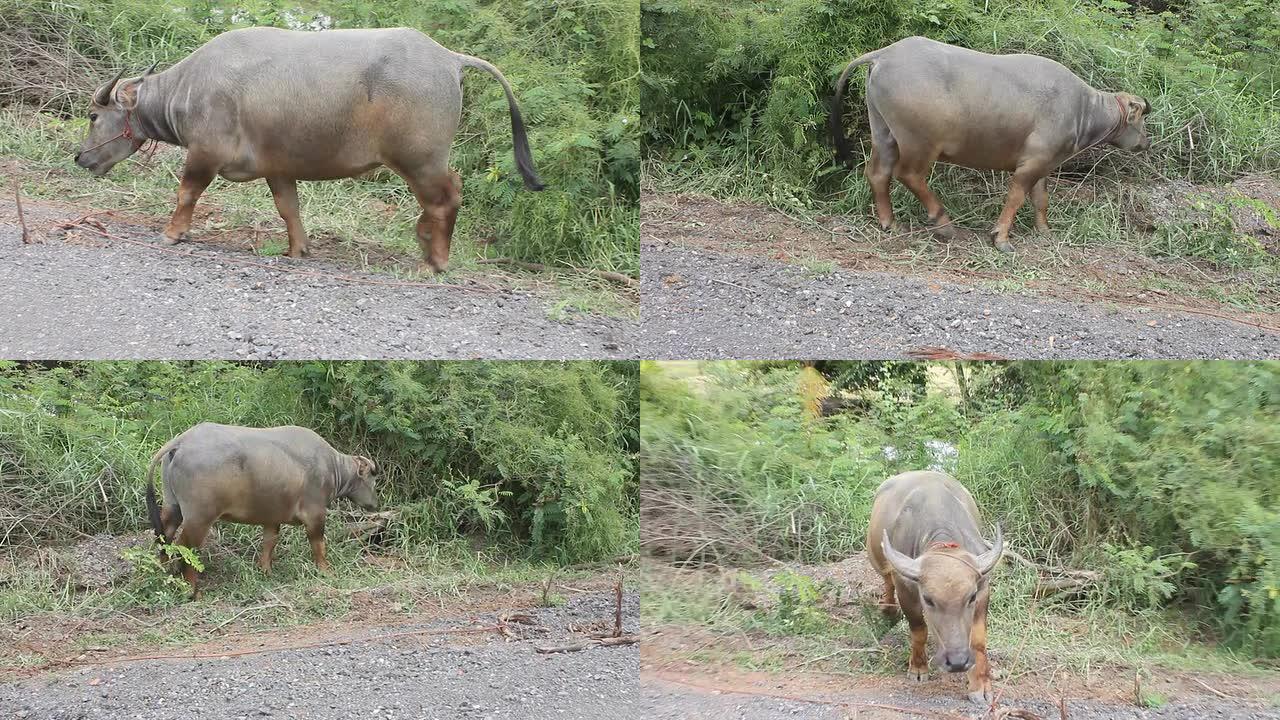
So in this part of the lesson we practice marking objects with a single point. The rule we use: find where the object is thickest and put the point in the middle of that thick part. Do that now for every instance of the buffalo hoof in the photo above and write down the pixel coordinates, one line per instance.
(1002, 244)
(918, 676)
(426, 268)
(890, 612)
(167, 239)
(946, 231)
(980, 697)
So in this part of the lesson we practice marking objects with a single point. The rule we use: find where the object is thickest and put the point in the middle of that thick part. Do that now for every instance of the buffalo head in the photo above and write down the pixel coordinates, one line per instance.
(950, 583)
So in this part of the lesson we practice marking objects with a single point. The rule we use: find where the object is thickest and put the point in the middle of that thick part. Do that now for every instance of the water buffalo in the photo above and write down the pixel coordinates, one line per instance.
(259, 476)
(924, 540)
(1024, 114)
(287, 106)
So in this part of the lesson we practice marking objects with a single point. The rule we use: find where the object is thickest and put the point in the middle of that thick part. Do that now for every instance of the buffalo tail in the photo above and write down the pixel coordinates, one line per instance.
(519, 139)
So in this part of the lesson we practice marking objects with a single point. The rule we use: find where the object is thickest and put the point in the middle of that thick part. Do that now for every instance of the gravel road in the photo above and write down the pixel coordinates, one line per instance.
(112, 300)
(669, 701)
(409, 678)
(705, 304)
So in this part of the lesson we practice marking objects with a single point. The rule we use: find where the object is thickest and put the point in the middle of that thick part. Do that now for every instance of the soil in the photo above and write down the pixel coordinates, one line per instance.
(361, 673)
(73, 294)
(734, 280)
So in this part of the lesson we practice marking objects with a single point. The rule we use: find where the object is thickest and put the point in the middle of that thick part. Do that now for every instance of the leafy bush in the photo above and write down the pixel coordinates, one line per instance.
(572, 66)
(1162, 475)
(534, 456)
(737, 93)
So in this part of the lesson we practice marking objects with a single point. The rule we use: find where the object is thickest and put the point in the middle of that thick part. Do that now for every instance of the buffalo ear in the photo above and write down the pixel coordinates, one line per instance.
(126, 93)
(365, 467)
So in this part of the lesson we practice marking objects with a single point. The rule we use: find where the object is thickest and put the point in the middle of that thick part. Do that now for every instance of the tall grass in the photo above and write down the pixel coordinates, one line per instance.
(573, 66)
(737, 97)
(532, 458)
(1160, 476)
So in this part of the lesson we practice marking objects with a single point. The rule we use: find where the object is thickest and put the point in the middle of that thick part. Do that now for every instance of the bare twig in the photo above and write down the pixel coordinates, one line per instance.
(617, 612)
(731, 284)
(22, 220)
(1212, 689)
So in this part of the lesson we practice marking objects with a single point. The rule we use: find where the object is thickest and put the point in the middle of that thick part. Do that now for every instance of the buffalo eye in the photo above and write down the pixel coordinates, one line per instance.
(973, 597)
(93, 117)
(928, 602)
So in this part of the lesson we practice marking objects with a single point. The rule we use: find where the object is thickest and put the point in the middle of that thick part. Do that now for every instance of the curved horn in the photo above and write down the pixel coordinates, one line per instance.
(151, 69)
(908, 568)
(1146, 107)
(987, 560)
(103, 96)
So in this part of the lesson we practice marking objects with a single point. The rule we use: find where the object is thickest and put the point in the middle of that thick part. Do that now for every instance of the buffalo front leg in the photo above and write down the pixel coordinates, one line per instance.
(285, 192)
(270, 534)
(889, 603)
(1040, 198)
(315, 533)
(918, 666)
(980, 674)
(195, 178)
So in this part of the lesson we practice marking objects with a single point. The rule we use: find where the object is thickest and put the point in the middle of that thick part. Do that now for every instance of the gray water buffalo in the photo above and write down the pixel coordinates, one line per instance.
(286, 106)
(1023, 114)
(923, 539)
(259, 476)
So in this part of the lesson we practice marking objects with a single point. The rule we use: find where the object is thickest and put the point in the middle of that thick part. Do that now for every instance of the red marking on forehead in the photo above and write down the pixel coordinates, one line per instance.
(943, 545)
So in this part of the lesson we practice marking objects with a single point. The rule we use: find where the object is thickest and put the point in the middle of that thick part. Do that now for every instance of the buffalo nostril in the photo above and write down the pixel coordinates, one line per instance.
(77, 157)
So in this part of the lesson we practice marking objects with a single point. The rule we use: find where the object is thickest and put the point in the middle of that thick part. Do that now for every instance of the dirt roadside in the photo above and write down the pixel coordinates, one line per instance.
(483, 674)
(76, 294)
(732, 280)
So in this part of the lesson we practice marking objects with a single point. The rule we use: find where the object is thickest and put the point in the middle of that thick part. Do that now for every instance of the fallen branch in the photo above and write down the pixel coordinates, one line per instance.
(617, 612)
(539, 267)
(575, 647)
(22, 220)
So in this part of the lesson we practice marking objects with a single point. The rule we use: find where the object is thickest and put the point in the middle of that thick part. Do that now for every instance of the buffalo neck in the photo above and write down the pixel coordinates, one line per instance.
(153, 114)
(970, 541)
(1098, 122)
(343, 470)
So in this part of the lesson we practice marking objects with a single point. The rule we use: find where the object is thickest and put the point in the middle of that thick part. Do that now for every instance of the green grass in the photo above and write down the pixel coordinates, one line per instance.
(237, 596)
(737, 92)
(573, 67)
(1077, 640)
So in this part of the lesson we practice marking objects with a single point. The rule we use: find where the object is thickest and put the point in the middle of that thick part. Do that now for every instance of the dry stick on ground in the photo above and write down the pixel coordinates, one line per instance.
(22, 220)
(617, 613)
(88, 225)
(918, 712)
(539, 267)
(1211, 689)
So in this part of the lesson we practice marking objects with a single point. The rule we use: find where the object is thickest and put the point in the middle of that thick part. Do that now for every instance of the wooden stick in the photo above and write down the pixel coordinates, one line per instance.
(539, 267)
(22, 220)
(617, 612)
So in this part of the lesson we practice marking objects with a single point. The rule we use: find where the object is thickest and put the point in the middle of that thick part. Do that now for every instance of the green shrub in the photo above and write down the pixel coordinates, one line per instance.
(573, 67)
(1161, 475)
(532, 456)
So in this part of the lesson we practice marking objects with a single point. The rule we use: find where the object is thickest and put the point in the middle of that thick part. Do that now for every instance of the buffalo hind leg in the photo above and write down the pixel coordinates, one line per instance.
(192, 536)
(315, 533)
(879, 170)
(1040, 198)
(913, 172)
(196, 176)
(270, 534)
(285, 193)
(980, 674)
(918, 666)
(440, 195)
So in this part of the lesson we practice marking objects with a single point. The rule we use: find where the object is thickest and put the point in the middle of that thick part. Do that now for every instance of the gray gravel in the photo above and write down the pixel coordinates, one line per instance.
(62, 300)
(422, 678)
(704, 304)
(667, 701)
